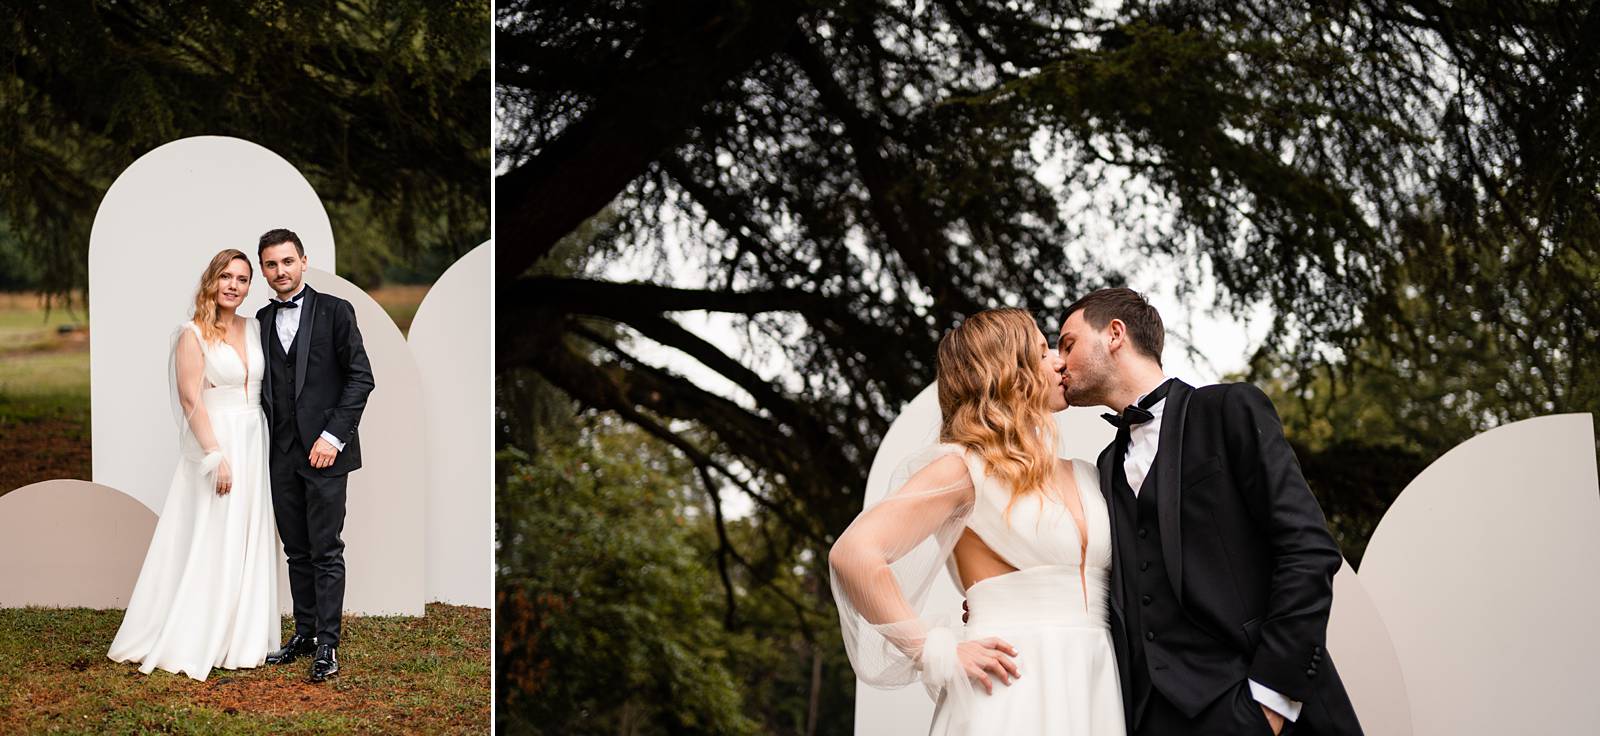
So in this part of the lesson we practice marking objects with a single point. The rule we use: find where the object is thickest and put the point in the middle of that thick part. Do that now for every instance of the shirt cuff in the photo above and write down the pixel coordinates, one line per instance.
(1278, 702)
(337, 445)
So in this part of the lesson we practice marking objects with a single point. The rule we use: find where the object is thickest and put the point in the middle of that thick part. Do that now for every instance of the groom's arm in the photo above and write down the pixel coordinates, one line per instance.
(1305, 557)
(352, 359)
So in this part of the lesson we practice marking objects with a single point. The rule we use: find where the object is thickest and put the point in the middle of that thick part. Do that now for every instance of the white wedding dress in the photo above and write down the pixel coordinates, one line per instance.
(207, 595)
(1052, 609)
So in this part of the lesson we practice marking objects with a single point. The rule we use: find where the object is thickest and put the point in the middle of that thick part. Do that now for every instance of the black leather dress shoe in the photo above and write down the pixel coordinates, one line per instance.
(293, 649)
(326, 663)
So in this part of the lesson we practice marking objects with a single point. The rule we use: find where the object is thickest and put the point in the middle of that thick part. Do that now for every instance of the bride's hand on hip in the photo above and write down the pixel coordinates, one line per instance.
(224, 478)
(982, 657)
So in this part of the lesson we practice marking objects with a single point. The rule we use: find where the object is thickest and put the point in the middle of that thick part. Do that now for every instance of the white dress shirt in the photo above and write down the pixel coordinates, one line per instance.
(1143, 442)
(287, 324)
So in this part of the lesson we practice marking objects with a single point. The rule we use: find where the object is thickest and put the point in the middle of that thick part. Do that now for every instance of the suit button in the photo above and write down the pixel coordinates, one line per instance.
(1144, 533)
(1151, 636)
(1144, 566)
(1316, 649)
(1311, 673)
(1144, 599)
(1315, 658)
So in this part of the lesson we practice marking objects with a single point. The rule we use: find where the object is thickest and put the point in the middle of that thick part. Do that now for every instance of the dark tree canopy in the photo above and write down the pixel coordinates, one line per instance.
(383, 105)
(1412, 188)
(876, 170)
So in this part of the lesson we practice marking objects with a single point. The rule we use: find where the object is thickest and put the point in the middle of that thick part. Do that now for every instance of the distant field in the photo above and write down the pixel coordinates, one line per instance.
(44, 383)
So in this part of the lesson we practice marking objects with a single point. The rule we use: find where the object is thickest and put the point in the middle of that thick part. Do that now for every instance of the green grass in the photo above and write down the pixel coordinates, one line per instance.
(400, 674)
(47, 379)
(44, 393)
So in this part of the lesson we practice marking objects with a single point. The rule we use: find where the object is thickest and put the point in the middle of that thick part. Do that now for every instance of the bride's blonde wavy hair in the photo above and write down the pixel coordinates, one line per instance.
(994, 399)
(206, 314)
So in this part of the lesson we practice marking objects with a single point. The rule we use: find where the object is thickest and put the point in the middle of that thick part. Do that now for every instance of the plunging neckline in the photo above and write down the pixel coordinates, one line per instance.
(1080, 526)
(244, 354)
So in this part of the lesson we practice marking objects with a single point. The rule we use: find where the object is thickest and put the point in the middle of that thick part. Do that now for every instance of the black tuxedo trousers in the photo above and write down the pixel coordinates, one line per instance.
(309, 508)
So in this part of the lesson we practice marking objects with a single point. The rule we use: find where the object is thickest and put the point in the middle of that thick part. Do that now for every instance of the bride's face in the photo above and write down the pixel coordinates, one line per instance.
(1050, 367)
(233, 284)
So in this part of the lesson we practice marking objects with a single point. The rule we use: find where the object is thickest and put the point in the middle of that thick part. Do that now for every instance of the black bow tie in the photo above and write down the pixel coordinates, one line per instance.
(1138, 414)
(291, 304)
(1131, 417)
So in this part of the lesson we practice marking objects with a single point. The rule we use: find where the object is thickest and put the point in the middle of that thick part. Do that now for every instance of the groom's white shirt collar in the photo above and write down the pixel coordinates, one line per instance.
(1143, 441)
(1151, 390)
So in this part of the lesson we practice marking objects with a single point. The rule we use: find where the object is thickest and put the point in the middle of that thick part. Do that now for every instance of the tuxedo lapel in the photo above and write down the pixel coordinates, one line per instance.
(302, 338)
(1107, 489)
(1169, 483)
(269, 334)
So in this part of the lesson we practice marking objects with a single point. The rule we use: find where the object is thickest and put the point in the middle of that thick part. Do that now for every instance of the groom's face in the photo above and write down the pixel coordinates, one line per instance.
(284, 267)
(1086, 360)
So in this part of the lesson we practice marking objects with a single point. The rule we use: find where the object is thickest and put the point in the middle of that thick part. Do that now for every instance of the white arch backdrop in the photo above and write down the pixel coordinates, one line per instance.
(449, 336)
(1471, 616)
(158, 225)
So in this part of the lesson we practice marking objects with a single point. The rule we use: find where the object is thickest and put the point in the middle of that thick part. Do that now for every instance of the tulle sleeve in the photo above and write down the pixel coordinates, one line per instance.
(186, 370)
(883, 567)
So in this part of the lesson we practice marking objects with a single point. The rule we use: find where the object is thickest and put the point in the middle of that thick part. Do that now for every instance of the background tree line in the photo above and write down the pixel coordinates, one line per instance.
(384, 106)
(1409, 187)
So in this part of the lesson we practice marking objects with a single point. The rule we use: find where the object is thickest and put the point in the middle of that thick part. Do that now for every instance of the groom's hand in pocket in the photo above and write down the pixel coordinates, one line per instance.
(322, 454)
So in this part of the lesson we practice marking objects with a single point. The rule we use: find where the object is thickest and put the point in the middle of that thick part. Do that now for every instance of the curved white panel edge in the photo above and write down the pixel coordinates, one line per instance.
(450, 339)
(1365, 656)
(1485, 571)
(71, 543)
(156, 229)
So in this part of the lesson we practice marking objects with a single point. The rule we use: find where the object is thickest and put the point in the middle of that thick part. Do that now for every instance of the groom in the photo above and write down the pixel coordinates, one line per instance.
(313, 391)
(1222, 574)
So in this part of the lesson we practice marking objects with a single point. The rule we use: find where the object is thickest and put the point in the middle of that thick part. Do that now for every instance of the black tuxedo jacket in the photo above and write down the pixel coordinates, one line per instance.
(1246, 548)
(331, 378)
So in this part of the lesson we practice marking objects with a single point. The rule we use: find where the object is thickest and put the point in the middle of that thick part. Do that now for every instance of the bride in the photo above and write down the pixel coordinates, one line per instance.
(207, 595)
(1025, 534)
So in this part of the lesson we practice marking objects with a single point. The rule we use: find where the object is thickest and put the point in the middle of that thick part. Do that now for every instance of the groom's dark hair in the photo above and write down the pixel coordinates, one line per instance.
(1142, 320)
(279, 237)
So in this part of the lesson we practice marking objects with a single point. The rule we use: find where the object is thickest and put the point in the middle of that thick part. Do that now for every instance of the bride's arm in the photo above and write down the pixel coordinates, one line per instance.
(932, 504)
(891, 528)
(190, 367)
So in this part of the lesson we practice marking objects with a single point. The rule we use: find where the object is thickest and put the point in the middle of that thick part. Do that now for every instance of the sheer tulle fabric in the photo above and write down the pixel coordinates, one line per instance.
(207, 591)
(883, 567)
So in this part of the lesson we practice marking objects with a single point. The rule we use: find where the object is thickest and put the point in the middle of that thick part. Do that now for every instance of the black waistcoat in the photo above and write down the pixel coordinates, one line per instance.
(1160, 636)
(281, 365)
